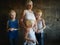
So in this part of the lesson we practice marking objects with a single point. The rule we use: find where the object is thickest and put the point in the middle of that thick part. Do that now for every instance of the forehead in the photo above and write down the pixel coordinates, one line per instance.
(29, 4)
(38, 12)
(12, 11)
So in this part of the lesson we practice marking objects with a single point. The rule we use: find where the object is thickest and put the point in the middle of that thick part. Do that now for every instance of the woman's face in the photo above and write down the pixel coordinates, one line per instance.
(12, 14)
(30, 6)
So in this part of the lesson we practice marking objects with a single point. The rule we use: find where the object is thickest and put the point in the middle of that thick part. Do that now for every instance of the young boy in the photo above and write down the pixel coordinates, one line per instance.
(30, 34)
(12, 26)
(40, 27)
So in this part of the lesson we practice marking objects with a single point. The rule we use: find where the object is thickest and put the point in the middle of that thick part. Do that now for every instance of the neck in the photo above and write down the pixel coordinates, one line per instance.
(13, 19)
(29, 9)
(39, 18)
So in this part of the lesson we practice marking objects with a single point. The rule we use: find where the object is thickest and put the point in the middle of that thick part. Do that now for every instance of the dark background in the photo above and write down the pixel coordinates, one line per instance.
(51, 14)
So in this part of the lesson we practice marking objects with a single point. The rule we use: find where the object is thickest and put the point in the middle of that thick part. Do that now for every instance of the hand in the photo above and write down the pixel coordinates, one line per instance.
(11, 29)
(33, 41)
(37, 42)
(38, 31)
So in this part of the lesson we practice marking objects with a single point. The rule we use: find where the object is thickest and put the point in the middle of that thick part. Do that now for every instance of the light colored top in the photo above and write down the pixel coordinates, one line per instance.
(40, 26)
(30, 16)
(31, 35)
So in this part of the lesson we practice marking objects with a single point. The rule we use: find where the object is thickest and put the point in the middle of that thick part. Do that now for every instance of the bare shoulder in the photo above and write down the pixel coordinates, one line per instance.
(25, 10)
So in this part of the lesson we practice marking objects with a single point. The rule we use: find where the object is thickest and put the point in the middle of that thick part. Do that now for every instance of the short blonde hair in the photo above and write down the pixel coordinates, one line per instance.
(28, 23)
(38, 11)
(12, 11)
(29, 2)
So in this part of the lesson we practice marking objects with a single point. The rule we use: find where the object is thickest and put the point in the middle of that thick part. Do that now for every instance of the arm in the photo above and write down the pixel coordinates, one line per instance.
(43, 22)
(17, 25)
(26, 36)
(22, 18)
(35, 27)
(7, 26)
(37, 41)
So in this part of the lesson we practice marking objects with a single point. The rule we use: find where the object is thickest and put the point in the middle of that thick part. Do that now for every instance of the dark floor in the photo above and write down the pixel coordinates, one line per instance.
(4, 40)
(52, 43)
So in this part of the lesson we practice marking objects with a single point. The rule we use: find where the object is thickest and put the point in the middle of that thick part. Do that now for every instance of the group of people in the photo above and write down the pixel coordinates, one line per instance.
(33, 25)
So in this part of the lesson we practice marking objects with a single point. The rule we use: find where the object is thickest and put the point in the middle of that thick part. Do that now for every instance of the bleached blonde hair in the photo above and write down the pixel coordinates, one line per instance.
(28, 23)
(29, 2)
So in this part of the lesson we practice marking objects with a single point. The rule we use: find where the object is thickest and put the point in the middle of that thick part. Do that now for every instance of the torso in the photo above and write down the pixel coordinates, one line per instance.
(12, 24)
(29, 15)
(31, 34)
(40, 25)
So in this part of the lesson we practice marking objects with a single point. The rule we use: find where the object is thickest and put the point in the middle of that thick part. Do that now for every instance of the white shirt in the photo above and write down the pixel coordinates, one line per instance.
(40, 26)
(31, 35)
(30, 16)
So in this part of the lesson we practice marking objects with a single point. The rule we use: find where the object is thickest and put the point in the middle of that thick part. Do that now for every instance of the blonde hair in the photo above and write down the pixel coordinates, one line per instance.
(12, 11)
(28, 23)
(38, 11)
(29, 2)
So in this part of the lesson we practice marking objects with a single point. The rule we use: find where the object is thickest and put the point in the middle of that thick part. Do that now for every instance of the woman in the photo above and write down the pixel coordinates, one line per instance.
(28, 14)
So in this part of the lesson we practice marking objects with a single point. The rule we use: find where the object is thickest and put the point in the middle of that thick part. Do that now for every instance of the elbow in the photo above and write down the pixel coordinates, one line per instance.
(25, 38)
(44, 27)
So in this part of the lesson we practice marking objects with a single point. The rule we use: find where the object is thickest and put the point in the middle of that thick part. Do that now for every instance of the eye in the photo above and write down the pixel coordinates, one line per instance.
(29, 5)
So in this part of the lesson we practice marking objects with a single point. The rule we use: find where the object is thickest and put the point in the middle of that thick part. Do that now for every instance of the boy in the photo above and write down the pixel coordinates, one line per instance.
(40, 27)
(12, 26)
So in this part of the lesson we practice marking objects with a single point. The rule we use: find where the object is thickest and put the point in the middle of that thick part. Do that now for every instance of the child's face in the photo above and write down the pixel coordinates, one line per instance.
(38, 15)
(13, 14)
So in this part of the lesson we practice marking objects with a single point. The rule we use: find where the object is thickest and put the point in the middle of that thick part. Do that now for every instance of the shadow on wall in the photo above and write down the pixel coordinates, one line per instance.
(3, 33)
